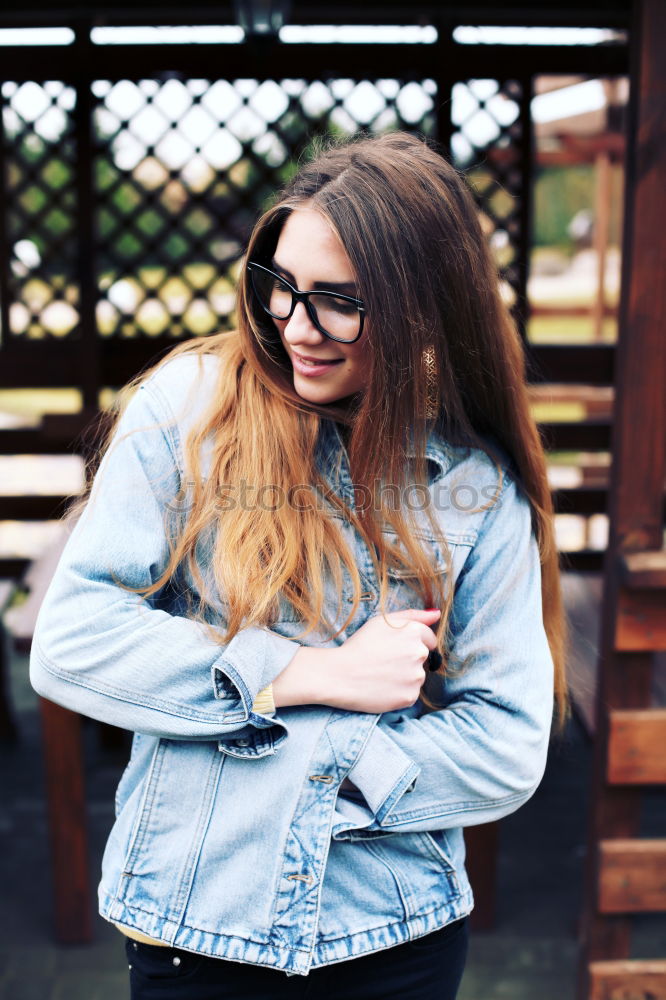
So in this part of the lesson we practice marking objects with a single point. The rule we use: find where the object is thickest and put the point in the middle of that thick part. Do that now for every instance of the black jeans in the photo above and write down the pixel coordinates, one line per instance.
(429, 968)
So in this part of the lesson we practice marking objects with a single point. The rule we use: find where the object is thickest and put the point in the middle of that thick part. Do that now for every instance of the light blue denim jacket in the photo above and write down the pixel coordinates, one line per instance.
(231, 837)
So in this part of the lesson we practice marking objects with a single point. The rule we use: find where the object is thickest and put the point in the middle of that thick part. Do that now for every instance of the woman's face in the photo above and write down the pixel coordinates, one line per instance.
(310, 255)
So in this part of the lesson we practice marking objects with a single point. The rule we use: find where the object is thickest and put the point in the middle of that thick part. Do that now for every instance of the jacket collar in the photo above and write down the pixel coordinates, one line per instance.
(333, 460)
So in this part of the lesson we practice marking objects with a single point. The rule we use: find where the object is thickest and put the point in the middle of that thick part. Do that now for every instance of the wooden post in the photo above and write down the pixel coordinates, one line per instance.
(482, 846)
(602, 166)
(66, 808)
(635, 502)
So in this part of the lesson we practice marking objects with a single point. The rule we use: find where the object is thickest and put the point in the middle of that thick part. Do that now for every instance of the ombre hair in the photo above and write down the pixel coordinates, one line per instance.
(430, 287)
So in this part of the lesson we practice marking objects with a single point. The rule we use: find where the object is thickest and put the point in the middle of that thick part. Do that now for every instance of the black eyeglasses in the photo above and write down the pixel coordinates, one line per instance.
(339, 317)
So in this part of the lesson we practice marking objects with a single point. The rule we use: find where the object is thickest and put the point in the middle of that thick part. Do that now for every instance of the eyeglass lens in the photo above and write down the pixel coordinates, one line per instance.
(336, 316)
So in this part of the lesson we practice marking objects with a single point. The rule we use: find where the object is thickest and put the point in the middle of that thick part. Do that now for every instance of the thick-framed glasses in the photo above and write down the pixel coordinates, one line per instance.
(339, 317)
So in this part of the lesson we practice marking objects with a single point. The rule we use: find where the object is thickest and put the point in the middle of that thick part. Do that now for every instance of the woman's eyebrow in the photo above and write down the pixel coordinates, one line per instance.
(345, 287)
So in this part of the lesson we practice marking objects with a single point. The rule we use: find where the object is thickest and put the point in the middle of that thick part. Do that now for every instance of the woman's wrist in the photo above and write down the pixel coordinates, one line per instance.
(308, 679)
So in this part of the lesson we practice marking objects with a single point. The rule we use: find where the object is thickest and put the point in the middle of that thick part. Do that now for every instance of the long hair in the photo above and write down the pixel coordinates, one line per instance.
(411, 231)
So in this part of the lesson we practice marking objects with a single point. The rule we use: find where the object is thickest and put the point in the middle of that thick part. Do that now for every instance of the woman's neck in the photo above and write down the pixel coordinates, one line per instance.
(344, 430)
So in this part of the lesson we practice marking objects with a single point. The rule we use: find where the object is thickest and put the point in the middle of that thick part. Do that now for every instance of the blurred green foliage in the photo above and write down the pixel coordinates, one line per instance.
(561, 192)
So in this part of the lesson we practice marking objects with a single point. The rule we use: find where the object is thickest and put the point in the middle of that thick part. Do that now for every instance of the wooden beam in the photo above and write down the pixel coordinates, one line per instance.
(33, 508)
(628, 980)
(580, 500)
(315, 62)
(577, 149)
(582, 560)
(632, 876)
(31, 441)
(636, 741)
(557, 310)
(13, 567)
(547, 13)
(566, 362)
(590, 435)
(45, 364)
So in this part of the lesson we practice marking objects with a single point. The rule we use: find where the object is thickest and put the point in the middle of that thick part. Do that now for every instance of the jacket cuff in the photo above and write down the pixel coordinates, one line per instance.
(249, 664)
(383, 773)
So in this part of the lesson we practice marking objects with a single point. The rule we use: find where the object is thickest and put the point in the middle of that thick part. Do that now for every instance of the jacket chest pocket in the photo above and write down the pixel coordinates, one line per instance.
(403, 584)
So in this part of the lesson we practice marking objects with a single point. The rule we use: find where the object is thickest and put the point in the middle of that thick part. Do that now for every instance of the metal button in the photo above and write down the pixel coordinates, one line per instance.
(242, 743)
(176, 959)
(135, 946)
(129, 967)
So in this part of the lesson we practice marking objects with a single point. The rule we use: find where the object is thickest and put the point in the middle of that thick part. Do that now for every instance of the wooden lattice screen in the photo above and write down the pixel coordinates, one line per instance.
(130, 177)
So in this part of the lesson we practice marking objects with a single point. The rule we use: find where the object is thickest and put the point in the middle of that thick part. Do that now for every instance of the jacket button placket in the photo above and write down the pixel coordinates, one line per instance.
(307, 845)
(305, 853)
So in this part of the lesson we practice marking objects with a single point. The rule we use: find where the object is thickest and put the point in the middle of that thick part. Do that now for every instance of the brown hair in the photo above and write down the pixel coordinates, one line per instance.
(411, 231)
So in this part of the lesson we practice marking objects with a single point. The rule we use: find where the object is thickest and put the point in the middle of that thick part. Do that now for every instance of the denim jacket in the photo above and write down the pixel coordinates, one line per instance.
(232, 837)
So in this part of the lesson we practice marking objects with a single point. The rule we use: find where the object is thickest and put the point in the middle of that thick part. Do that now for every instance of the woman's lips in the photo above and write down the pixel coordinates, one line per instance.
(308, 368)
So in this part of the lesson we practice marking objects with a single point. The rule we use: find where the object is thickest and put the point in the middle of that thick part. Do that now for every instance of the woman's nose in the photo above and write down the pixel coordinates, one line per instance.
(299, 326)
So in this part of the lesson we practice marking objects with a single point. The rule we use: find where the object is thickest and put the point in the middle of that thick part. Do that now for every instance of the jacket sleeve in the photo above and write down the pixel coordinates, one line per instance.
(483, 754)
(117, 657)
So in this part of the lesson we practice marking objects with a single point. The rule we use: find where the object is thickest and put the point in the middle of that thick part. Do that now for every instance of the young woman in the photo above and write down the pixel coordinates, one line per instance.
(316, 576)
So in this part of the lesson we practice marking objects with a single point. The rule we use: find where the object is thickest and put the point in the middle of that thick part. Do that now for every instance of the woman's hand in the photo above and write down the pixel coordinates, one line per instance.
(380, 667)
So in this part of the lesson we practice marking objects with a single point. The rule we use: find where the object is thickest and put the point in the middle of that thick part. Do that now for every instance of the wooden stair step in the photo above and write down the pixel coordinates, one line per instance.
(644, 570)
(636, 742)
(628, 979)
(632, 876)
(582, 594)
(640, 625)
